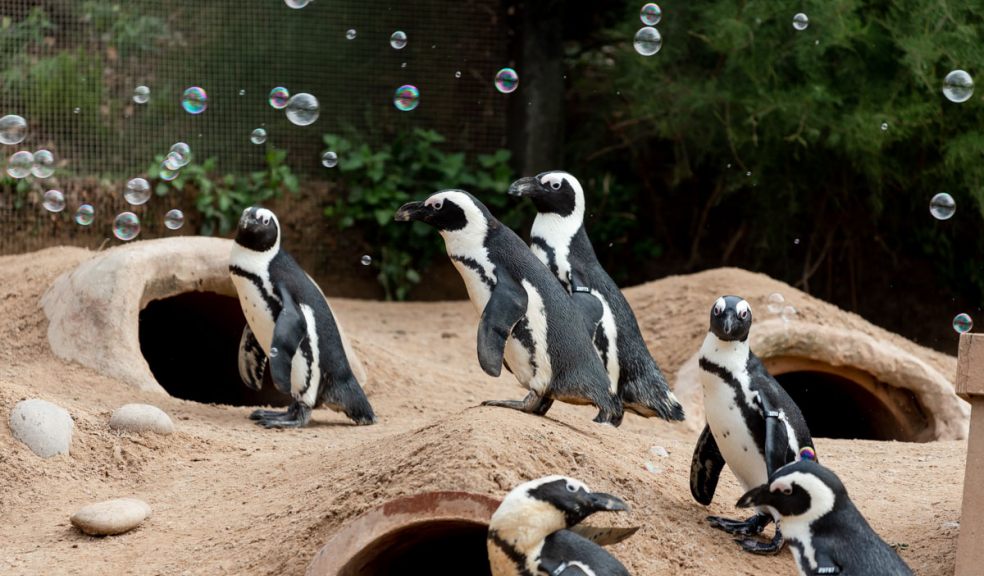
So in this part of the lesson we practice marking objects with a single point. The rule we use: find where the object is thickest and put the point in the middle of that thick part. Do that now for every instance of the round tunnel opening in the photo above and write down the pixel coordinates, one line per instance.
(191, 343)
(837, 406)
(436, 548)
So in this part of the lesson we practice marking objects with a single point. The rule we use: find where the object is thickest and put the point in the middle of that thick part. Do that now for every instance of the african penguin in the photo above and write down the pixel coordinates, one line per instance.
(527, 320)
(752, 423)
(533, 531)
(559, 240)
(288, 321)
(825, 531)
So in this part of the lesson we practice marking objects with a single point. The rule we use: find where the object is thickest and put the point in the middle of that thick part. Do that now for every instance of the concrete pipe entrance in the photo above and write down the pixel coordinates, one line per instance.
(435, 533)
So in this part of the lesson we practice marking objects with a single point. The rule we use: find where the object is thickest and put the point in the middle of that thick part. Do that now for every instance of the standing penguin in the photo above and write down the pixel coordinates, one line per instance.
(528, 320)
(559, 240)
(825, 531)
(534, 531)
(288, 321)
(752, 423)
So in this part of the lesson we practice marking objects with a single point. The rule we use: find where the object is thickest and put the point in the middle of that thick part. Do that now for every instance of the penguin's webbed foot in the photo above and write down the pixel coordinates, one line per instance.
(750, 527)
(756, 546)
(297, 416)
(269, 414)
(532, 404)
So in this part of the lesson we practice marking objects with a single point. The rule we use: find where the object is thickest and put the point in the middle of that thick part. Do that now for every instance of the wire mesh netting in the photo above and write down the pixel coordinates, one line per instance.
(70, 68)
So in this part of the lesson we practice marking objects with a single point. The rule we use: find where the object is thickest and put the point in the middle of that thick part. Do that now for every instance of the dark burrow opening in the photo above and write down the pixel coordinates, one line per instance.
(435, 548)
(191, 342)
(836, 406)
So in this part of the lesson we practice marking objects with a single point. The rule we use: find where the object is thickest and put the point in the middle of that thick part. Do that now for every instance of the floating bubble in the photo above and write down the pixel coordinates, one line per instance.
(296, 4)
(788, 313)
(174, 160)
(506, 80)
(44, 164)
(242, 92)
(126, 226)
(329, 159)
(406, 97)
(167, 175)
(194, 100)
(366, 259)
(76, 111)
(650, 14)
(942, 206)
(958, 86)
(398, 40)
(647, 41)
(13, 129)
(962, 323)
(457, 74)
(85, 215)
(137, 192)
(274, 352)
(350, 34)
(141, 94)
(775, 302)
(174, 219)
(801, 21)
(279, 97)
(884, 126)
(20, 163)
(404, 65)
(303, 109)
(54, 201)
(258, 136)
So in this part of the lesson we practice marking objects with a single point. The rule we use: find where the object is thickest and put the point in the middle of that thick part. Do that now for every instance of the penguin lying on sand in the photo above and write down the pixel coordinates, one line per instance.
(534, 531)
(752, 423)
(288, 321)
(559, 240)
(528, 321)
(825, 531)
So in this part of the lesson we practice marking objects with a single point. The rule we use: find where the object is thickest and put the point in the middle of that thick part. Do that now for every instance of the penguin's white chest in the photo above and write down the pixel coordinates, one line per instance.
(258, 314)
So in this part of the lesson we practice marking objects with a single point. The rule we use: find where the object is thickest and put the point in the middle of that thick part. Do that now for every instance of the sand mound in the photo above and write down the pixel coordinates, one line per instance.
(235, 499)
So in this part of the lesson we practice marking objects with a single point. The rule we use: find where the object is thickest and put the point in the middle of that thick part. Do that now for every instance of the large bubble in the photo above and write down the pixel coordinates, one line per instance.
(141, 94)
(180, 155)
(398, 40)
(279, 97)
(13, 129)
(297, 3)
(962, 323)
(137, 192)
(406, 97)
(303, 109)
(647, 41)
(650, 14)
(85, 215)
(54, 201)
(126, 226)
(506, 80)
(174, 219)
(194, 100)
(19, 164)
(44, 164)
(958, 86)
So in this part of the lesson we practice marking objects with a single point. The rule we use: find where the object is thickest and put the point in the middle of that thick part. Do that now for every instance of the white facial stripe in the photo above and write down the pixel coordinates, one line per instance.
(742, 306)
(262, 213)
(797, 527)
(719, 304)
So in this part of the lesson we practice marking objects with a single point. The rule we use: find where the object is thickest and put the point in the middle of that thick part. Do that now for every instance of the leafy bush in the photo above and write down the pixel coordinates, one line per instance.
(410, 167)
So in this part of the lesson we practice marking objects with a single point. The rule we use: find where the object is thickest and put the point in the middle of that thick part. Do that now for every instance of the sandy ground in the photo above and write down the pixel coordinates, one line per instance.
(230, 498)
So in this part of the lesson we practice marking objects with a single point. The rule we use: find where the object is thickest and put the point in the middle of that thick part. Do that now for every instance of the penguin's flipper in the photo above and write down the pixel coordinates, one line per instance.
(565, 553)
(826, 564)
(705, 468)
(252, 360)
(589, 306)
(776, 437)
(288, 332)
(506, 307)
(604, 536)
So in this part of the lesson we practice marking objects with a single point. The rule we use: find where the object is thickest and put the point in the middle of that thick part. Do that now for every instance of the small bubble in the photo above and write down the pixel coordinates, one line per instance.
(126, 226)
(457, 74)
(174, 219)
(647, 41)
(297, 4)
(279, 97)
(274, 352)
(194, 100)
(303, 109)
(13, 129)
(329, 159)
(749, 173)
(167, 174)
(350, 34)
(942, 206)
(85, 215)
(398, 40)
(242, 92)
(54, 201)
(44, 164)
(506, 80)
(958, 86)
(137, 192)
(366, 260)
(796, 241)
(801, 21)
(788, 314)
(404, 65)
(650, 14)
(884, 126)
(775, 303)
(181, 153)
(19, 164)
(141, 94)
(962, 323)
(406, 98)
(258, 136)
(173, 160)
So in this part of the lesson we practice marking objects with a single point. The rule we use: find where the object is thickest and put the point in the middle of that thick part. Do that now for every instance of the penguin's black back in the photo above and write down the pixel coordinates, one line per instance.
(845, 536)
(565, 546)
(763, 383)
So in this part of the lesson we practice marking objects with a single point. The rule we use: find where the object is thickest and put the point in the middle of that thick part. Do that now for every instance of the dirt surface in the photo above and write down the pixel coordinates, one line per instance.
(230, 498)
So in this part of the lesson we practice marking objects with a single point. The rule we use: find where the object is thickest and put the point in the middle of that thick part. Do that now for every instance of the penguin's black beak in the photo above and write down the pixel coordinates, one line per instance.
(409, 211)
(601, 502)
(728, 325)
(755, 497)
(524, 187)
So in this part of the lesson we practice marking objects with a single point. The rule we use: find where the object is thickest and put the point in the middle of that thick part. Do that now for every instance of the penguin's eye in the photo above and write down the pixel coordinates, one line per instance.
(265, 220)
(571, 488)
(743, 314)
(717, 310)
(555, 185)
(787, 490)
(438, 204)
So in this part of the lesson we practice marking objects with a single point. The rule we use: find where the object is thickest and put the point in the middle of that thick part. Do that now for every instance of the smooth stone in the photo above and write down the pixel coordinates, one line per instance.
(46, 428)
(111, 517)
(141, 418)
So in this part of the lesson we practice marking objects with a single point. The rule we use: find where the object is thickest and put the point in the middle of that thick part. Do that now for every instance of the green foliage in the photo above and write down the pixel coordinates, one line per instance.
(410, 167)
(16, 188)
(124, 26)
(221, 198)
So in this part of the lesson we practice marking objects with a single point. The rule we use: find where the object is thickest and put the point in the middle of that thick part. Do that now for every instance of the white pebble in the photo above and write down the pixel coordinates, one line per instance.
(111, 517)
(141, 418)
(45, 427)
(659, 451)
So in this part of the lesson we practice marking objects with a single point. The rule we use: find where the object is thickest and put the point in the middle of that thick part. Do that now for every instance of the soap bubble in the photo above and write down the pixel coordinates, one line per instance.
(126, 226)
(958, 86)
(650, 14)
(258, 136)
(44, 164)
(647, 41)
(962, 323)
(297, 3)
(274, 352)
(406, 97)
(137, 192)
(350, 34)
(85, 215)
(942, 206)
(54, 201)
(20, 163)
(884, 126)
(242, 92)
(775, 302)
(788, 313)
(194, 100)
(174, 160)
(279, 97)
(167, 174)
(13, 129)
(506, 80)
(366, 260)
(801, 21)
(303, 109)
(181, 154)
(457, 74)
(398, 40)
(141, 94)
(329, 159)
(174, 219)
(76, 110)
